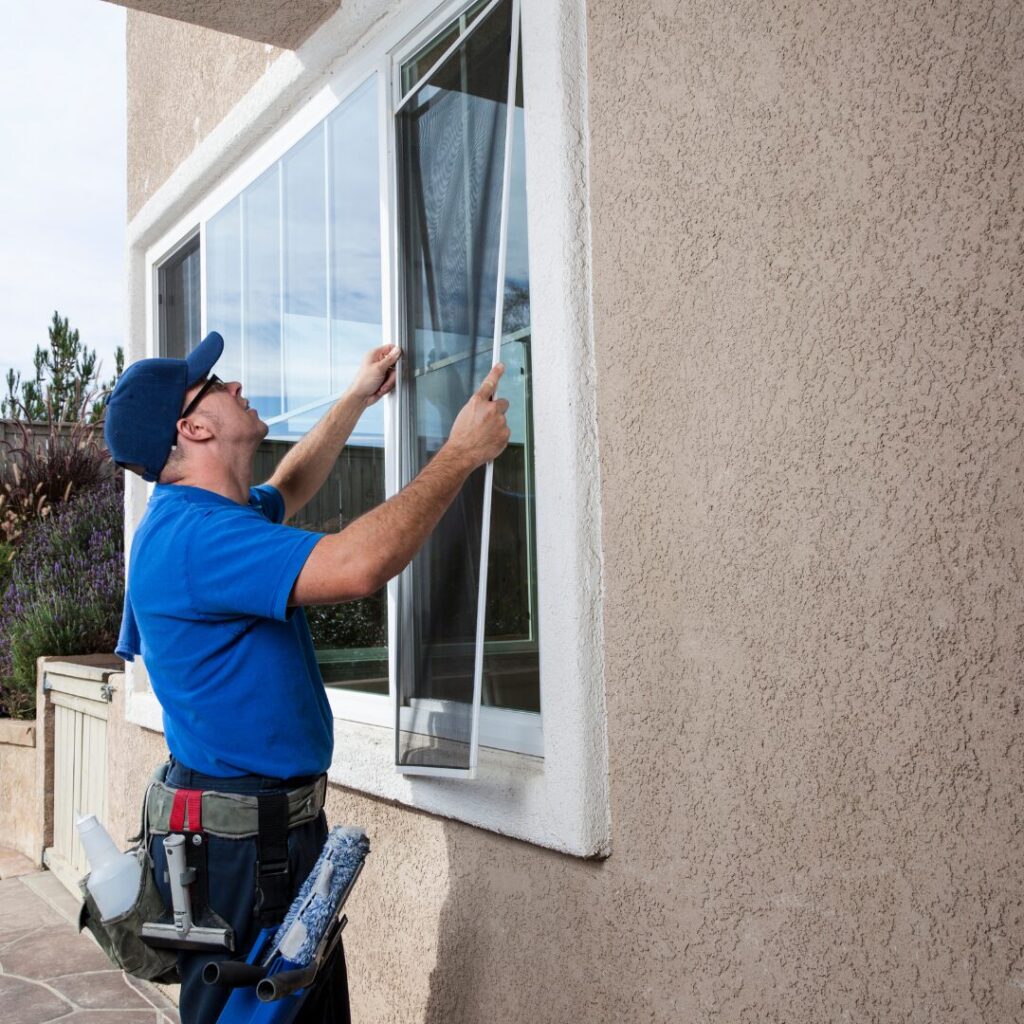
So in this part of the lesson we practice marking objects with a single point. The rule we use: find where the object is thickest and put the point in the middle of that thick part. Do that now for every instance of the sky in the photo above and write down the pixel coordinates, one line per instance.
(62, 176)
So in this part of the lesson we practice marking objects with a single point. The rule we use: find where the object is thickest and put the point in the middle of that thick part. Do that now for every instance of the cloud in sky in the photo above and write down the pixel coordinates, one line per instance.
(62, 175)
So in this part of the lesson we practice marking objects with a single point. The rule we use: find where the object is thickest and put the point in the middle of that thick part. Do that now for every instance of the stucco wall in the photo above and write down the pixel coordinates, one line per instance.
(807, 226)
(182, 79)
(132, 754)
(19, 819)
(266, 21)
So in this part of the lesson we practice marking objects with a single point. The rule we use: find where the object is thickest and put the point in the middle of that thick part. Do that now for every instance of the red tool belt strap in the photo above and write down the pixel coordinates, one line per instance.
(190, 801)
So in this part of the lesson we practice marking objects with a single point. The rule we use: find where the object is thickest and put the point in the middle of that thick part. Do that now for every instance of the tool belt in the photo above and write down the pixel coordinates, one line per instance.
(228, 815)
(268, 817)
(143, 940)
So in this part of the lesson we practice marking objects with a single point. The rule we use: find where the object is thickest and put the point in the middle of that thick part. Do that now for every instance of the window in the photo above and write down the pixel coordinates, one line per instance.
(466, 304)
(547, 642)
(296, 284)
(179, 300)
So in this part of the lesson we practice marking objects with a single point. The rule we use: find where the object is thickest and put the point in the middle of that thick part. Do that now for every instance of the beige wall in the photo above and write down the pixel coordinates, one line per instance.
(266, 21)
(182, 79)
(20, 826)
(807, 225)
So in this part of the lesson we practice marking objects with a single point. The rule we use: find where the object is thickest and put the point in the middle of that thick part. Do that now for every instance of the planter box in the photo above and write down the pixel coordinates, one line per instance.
(20, 828)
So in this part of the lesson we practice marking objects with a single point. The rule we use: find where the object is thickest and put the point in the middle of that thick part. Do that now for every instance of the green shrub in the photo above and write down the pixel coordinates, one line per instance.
(360, 623)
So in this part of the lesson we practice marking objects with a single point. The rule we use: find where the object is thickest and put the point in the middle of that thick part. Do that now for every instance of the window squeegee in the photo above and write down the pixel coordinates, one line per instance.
(286, 962)
(204, 931)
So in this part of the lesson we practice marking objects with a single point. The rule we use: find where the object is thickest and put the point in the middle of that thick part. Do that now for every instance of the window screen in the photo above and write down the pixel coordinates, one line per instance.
(453, 183)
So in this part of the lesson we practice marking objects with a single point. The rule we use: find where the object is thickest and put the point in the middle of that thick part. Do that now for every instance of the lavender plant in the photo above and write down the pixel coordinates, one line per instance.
(64, 590)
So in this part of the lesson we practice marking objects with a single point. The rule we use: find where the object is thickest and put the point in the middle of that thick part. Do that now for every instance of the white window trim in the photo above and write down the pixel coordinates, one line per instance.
(561, 799)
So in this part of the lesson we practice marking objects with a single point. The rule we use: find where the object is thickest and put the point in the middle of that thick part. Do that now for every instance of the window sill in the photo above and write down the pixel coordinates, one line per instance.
(518, 732)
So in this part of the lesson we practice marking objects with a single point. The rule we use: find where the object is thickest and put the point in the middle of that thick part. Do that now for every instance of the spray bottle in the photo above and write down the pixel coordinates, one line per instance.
(114, 876)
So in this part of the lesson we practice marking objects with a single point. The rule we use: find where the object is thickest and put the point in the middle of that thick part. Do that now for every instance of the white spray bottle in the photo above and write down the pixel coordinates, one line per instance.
(114, 876)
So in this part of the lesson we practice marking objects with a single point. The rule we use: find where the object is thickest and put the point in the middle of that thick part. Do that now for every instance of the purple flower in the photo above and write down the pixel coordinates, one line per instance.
(64, 590)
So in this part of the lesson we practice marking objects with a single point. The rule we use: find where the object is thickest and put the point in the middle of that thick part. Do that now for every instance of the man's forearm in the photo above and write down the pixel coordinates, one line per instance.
(395, 531)
(361, 558)
(304, 469)
(379, 545)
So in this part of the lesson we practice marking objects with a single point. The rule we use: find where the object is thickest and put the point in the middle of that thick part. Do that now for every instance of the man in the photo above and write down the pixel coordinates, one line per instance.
(213, 602)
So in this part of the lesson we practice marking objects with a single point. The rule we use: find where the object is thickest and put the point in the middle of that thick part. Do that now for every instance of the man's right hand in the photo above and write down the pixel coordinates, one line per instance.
(361, 558)
(480, 433)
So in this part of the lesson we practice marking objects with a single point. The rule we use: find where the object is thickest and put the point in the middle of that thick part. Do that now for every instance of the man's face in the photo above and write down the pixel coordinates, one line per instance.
(225, 411)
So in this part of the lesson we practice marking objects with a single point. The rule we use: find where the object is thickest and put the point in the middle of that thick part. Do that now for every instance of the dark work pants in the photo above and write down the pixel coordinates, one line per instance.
(231, 873)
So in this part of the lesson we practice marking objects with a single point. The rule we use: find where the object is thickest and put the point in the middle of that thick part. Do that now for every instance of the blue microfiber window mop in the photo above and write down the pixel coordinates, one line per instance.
(282, 966)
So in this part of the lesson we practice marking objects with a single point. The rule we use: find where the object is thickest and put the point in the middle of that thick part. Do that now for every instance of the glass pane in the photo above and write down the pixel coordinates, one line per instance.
(224, 286)
(179, 302)
(261, 292)
(305, 240)
(451, 137)
(305, 326)
(350, 639)
(417, 66)
(356, 303)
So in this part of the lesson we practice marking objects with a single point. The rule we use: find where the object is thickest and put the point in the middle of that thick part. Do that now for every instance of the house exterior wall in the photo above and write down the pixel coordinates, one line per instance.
(285, 25)
(806, 227)
(19, 810)
(182, 79)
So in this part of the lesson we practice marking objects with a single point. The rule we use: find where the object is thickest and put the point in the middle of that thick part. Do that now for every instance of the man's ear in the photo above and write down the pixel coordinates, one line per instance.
(194, 430)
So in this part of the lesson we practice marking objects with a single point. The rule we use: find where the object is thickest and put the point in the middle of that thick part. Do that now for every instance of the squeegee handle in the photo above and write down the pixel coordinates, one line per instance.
(283, 983)
(232, 974)
(177, 868)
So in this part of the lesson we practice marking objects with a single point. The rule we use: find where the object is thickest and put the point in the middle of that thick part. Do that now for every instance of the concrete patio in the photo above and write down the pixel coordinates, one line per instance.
(50, 972)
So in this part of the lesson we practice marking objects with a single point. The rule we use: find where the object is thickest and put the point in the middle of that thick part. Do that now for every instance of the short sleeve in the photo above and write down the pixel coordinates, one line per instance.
(267, 498)
(128, 640)
(239, 563)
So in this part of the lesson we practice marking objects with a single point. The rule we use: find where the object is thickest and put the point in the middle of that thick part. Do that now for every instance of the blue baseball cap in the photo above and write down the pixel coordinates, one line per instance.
(141, 422)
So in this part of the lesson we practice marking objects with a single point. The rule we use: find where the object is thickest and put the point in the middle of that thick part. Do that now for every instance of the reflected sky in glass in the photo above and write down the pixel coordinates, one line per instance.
(356, 300)
(294, 273)
(304, 324)
(224, 286)
(261, 293)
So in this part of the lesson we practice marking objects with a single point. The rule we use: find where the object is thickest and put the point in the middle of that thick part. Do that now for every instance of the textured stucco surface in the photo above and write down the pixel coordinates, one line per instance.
(807, 225)
(807, 257)
(182, 79)
(283, 23)
(20, 828)
(132, 754)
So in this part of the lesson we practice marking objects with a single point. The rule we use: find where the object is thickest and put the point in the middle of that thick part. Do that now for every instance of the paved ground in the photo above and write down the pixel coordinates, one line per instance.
(50, 972)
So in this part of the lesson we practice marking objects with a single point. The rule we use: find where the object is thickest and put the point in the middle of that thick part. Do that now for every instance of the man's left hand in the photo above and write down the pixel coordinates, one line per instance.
(376, 375)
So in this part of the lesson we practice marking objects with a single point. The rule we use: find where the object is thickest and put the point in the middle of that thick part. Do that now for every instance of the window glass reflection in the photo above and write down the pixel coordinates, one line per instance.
(261, 293)
(304, 325)
(224, 286)
(356, 300)
(179, 302)
(294, 286)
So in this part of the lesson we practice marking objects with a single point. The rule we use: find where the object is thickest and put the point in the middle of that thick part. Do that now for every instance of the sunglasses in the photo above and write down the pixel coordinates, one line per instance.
(213, 383)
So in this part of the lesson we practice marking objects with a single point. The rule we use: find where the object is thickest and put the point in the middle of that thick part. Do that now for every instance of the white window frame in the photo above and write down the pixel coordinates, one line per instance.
(559, 798)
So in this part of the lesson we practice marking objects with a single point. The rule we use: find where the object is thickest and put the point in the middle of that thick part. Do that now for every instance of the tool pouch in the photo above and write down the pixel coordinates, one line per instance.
(121, 937)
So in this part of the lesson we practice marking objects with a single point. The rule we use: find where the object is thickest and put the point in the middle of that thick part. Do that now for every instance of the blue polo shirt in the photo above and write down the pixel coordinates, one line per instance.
(206, 606)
